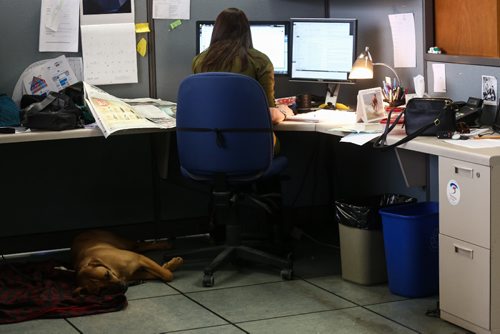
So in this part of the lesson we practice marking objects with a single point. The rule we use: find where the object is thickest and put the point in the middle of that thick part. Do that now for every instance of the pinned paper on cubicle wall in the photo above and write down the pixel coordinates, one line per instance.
(174, 24)
(171, 9)
(109, 53)
(108, 42)
(142, 47)
(142, 28)
(53, 75)
(58, 26)
(439, 72)
(489, 89)
(403, 39)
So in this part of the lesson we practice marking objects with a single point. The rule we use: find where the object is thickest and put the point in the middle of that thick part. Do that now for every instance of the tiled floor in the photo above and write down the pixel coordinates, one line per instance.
(317, 300)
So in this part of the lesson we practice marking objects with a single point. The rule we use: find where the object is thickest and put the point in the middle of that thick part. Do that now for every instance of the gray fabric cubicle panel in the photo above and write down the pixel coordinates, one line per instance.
(462, 81)
(374, 31)
(20, 23)
(175, 49)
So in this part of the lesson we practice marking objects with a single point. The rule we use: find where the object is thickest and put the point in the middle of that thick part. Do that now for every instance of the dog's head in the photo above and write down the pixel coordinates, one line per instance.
(95, 278)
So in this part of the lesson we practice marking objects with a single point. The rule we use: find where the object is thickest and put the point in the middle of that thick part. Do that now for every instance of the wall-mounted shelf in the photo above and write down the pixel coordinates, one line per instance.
(465, 60)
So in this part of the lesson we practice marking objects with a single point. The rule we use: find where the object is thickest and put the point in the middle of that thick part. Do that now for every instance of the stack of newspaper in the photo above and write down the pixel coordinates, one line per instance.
(113, 114)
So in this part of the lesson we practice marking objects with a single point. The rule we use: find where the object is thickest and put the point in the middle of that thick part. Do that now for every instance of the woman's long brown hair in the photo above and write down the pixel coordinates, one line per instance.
(231, 39)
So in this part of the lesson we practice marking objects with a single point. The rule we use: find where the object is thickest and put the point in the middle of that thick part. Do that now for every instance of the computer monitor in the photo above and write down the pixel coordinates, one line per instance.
(323, 50)
(269, 37)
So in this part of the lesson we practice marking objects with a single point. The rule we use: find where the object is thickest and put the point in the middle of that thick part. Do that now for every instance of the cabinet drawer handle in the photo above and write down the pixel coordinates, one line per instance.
(462, 250)
(469, 172)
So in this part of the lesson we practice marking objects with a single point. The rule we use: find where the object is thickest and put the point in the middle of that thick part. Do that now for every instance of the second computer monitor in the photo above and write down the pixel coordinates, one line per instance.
(323, 49)
(269, 37)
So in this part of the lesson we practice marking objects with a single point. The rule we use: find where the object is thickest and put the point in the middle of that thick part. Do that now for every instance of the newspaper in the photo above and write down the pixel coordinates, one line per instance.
(113, 114)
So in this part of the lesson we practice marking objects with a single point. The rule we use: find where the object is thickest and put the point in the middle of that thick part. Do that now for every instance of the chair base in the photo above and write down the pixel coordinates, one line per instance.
(232, 253)
(227, 254)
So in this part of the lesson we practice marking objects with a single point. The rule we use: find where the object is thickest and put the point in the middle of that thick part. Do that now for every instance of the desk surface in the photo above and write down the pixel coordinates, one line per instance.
(40, 135)
(429, 145)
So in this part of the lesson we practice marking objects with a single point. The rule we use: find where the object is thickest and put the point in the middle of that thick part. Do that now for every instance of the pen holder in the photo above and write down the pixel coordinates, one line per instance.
(394, 115)
(396, 103)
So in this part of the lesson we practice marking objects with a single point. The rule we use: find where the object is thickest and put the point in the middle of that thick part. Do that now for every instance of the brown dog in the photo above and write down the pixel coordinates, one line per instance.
(104, 261)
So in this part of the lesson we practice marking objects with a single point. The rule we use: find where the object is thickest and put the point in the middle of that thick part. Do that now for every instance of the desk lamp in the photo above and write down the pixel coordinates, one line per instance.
(363, 67)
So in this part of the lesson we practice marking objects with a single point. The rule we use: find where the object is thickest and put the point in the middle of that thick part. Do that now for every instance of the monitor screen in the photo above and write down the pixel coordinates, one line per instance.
(323, 49)
(268, 37)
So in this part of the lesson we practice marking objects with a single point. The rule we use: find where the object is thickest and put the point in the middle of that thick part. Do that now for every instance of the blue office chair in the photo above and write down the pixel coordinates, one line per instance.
(225, 139)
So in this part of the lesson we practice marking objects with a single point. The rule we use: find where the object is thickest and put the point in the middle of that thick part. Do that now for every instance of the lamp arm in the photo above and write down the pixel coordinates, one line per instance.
(393, 70)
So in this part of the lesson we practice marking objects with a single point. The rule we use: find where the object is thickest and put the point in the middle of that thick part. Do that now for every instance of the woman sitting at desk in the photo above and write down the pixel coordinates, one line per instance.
(231, 50)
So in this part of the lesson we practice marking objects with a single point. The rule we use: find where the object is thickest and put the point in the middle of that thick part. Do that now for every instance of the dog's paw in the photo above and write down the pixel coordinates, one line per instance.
(174, 263)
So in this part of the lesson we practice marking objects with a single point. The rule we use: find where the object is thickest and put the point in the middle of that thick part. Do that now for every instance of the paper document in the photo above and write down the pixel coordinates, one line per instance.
(171, 9)
(51, 76)
(439, 72)
(403, 39)
(59, 26)
(361, 128)
(108, 42)
(325, 115)
(359, 138)
(113, 114)
(109, 53)
(475, 143)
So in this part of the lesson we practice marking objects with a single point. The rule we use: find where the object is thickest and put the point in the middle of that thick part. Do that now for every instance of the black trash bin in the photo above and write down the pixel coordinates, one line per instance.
(361, 239)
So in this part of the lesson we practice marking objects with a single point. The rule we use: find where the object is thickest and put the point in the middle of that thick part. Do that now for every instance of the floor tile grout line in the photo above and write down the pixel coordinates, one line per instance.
(297, 314)
(196, 328)
(363, 306)
(73, 325)
(206, 308)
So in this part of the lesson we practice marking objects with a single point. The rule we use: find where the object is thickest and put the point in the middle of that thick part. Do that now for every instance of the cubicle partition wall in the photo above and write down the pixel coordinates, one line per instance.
(20, 22)
(54, 188)
(374, 31)
(112, 182)
(176, 48)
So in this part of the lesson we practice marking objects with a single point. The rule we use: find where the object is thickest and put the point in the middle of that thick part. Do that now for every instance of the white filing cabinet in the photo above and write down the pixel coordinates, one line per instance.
(469, 249)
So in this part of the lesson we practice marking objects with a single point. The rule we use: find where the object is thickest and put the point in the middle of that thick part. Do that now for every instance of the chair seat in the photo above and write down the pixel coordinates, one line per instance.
(278, 165)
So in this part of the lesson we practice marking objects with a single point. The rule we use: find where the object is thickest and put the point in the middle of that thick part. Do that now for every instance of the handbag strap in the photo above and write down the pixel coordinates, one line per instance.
(381, 141)
(39, 106)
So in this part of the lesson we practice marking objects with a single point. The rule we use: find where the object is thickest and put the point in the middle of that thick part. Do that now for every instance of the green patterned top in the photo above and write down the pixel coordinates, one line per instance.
(259, 67)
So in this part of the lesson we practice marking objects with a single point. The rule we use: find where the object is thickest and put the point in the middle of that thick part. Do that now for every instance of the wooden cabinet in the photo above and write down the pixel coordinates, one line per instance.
(467, 28)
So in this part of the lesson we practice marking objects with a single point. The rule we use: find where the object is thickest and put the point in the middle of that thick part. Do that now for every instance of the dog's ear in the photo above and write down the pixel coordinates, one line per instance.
(94, 262)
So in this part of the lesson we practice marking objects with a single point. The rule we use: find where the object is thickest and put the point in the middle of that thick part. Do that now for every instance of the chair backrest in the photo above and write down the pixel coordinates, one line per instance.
(223, 127)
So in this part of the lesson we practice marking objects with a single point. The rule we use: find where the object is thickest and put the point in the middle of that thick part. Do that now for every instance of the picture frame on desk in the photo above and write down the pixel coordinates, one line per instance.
(370, 107)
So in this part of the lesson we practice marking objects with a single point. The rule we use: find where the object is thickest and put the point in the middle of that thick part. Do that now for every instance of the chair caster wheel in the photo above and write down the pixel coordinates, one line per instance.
(286, 274)
(208, 280)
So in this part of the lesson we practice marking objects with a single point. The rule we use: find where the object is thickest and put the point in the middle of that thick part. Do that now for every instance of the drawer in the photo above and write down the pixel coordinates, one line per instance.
(464, 280)
(464, 201)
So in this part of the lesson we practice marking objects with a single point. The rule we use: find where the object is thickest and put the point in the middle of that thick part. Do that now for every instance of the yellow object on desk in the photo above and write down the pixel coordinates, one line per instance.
(338, 106)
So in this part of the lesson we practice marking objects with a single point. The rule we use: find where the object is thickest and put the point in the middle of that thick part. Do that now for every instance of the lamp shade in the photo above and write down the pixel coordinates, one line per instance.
(363, 66)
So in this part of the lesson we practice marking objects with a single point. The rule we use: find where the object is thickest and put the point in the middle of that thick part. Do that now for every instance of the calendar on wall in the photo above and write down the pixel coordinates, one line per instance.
(108, 42)
(109, 57)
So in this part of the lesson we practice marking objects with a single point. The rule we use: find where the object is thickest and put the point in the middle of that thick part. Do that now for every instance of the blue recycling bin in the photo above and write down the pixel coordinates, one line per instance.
(411, 248)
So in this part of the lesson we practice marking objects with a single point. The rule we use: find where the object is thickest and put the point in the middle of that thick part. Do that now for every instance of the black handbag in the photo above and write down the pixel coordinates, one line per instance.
(55, 112)
(422, 117)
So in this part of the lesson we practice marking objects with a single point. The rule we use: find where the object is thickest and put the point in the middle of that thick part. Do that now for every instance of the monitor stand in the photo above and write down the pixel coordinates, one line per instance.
(332, 92)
